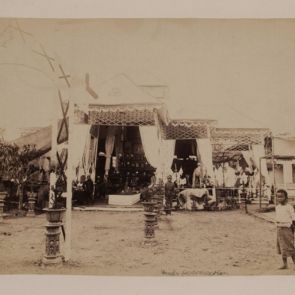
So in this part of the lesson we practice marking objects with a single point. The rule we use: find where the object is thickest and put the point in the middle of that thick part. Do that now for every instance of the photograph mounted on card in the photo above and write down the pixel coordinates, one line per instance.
(147, 147)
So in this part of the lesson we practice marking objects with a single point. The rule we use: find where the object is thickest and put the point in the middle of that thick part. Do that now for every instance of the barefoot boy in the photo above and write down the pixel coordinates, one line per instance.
(285, 219)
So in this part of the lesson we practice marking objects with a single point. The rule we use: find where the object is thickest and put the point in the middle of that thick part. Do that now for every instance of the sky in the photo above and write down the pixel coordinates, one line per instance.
(240, 72)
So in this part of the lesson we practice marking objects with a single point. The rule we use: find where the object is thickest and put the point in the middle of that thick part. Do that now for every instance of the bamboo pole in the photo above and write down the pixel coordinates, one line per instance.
(260, 189)
(53, 157)
(69, 172)
(273, 168)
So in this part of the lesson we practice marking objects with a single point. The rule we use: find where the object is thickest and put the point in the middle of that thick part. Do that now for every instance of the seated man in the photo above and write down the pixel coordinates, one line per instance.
(88, 187)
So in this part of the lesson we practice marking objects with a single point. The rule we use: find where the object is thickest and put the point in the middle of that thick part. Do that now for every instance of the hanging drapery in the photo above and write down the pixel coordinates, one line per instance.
(247, 158)
(151, 143)
(119, 148)
(258, 153)
(229, 175)
(219, 176)
(86, 154)
(109, 147)
(93, 154)
(80, 135)
(167, 150)
(204, 152)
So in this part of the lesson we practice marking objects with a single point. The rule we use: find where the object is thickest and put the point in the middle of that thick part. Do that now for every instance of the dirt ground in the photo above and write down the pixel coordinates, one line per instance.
(112, 243)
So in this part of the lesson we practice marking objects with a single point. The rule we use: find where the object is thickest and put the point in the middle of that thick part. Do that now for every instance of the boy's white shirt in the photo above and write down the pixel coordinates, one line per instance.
(285, 215)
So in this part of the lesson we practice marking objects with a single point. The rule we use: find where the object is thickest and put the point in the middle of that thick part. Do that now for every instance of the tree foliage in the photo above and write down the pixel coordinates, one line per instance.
(15, 161)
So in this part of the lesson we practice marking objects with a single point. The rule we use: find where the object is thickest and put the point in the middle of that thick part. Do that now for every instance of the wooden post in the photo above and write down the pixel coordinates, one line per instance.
(260, 187)
(273, 168)
(69, 172)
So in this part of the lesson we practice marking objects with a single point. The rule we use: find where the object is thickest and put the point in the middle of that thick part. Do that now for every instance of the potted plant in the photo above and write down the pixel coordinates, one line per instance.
(54, 216)
(56, 209)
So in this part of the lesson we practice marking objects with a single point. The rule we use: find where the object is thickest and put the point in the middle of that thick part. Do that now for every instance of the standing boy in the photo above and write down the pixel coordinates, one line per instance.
(285, 219)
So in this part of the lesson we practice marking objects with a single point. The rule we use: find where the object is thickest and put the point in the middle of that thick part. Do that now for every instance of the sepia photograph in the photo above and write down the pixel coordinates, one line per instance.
(147, 147)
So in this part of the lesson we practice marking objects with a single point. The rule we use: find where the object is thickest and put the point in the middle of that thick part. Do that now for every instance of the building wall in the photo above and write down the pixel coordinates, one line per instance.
(284, 147)
(284, 174)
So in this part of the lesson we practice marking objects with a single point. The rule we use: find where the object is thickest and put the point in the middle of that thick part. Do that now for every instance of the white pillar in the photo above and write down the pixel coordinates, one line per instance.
(53, 157)
(70, 177)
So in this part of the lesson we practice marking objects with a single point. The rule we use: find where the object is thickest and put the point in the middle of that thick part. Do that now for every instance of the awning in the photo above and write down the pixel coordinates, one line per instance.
(186, 129)
(124, 115)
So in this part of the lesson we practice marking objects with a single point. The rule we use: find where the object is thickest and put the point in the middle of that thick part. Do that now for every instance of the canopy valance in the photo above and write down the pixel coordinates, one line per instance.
(186, 129)
(228, 142)
(124, 115)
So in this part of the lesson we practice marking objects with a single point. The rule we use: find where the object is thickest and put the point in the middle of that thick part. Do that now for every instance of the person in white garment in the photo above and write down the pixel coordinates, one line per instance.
(285, 220)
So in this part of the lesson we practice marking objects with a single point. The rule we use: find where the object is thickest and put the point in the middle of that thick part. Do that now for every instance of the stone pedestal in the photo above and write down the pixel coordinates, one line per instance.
(53, 229)
(160, 204)
(155, 199)
(156, 210)
(149, 230)
(32, 201)
(2, 198)
(52, 250)
(150, 219)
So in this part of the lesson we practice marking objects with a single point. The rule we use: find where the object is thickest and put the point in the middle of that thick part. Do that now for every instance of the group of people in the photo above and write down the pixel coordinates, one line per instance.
(226, 175)
(233, 179)
(83, 190)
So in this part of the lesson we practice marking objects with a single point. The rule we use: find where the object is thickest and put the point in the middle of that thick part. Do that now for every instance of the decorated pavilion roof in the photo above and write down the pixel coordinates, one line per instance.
(121, 102)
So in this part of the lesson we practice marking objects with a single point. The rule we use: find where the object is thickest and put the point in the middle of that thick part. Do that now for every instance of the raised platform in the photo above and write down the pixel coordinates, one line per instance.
(109, 208)
(124, 200)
